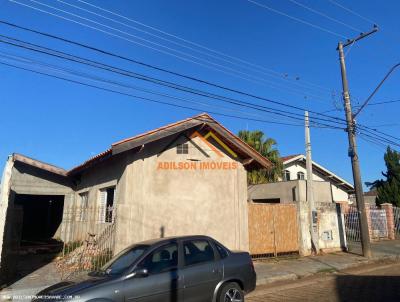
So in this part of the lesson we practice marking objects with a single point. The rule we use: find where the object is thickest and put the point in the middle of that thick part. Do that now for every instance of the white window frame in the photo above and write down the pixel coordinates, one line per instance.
(82, 206)
(285, 172)
(301, 175)
(102, 200)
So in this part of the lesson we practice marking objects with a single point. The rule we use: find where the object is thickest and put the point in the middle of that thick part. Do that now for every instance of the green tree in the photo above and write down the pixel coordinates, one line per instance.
(267, 147)
(389, 190)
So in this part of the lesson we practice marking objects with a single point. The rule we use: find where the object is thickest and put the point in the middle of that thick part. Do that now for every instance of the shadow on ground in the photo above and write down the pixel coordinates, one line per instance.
(367, 288)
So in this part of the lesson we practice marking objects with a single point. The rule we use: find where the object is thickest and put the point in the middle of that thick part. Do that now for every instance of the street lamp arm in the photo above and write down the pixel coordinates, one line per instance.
(376, 89)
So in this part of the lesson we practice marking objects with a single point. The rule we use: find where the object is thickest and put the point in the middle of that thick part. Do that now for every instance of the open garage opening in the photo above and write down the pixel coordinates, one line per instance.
(41, 216)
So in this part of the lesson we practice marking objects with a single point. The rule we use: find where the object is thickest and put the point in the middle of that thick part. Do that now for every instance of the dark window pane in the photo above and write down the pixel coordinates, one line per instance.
(161, 260)
(124, 260)
(182, 149)
(223, 253)
(286, 175)
(197, 251)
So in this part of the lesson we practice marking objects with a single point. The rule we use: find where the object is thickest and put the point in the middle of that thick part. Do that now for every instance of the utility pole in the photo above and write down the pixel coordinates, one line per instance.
(310, 189)
(351, 132)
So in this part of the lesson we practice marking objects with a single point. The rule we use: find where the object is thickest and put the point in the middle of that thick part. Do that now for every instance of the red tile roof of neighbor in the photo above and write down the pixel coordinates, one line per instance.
(289, 157)
(203, 118)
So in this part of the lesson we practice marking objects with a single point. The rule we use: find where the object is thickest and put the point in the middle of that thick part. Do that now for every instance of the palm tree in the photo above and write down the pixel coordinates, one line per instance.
(267, 148)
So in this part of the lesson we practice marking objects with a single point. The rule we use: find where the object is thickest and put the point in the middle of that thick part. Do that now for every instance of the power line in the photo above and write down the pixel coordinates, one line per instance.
(297, 19)
(315, 124)
(148, 99)
(378, 144)
(124, 72)
(141, 89)
(160, 69)
(384, 102)
(377, 136)
(197, 92)
(325, 16)
(178, 54)
(352, 12)
(218, 57)
(197, 44)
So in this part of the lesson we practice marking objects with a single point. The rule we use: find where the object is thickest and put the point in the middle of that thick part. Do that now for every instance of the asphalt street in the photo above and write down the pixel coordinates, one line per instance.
(378, 282)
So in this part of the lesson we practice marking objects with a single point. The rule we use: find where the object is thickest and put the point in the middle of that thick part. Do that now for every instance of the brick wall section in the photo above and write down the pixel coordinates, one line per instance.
(369, 221)
(390, 219)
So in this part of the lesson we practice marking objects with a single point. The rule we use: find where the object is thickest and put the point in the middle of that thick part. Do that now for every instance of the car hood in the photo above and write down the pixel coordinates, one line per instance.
(74, 286)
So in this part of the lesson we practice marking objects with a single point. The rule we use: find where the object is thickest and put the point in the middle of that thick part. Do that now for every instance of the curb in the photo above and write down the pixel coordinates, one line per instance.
(293, 276)
(268, 280)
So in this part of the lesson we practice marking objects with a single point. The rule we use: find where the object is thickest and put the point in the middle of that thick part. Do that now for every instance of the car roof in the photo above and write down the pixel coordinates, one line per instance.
(158, 241)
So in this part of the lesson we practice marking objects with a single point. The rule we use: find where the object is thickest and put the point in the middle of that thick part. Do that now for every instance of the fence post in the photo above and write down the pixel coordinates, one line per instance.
(388, 207)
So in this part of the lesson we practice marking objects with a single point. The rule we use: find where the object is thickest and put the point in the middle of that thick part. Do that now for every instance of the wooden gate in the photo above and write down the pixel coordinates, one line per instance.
(273, 229)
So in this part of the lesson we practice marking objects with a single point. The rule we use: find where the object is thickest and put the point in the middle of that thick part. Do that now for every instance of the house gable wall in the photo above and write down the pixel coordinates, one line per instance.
(167, 202)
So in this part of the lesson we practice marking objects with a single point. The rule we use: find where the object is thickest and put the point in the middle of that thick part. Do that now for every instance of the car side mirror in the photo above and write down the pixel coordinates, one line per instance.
(138, 273)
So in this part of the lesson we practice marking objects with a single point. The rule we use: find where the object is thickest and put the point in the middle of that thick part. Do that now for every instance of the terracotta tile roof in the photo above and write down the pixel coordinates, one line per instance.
(91, 161)
(289, 157)
(202, 118)
(203, 115)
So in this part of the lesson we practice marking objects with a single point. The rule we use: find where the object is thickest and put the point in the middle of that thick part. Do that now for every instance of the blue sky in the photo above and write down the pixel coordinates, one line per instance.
(65, 123)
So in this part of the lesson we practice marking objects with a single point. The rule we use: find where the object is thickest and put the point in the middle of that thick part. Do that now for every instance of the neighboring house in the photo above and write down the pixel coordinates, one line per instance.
(184, 178)
(294, 167)
(369, 197)
(328, 187)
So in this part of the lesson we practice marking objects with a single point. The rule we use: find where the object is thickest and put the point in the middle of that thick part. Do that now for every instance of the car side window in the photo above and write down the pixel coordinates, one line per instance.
(223, 253)
(197, 251)
(161, 260)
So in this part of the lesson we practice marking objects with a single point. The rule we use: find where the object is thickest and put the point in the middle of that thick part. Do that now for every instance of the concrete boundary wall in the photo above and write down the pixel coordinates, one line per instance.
(4, 199)
(330, 228)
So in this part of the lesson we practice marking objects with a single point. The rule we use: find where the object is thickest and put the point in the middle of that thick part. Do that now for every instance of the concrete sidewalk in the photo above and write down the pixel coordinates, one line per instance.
(274, 270)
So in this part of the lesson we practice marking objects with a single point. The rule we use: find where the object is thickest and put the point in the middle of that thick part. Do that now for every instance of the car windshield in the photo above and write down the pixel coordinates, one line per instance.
(123, 260)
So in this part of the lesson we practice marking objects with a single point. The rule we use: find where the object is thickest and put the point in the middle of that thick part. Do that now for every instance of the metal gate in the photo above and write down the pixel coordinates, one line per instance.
(89, 236)
(396, 217)
(352, 224)
(378, 223)
(273, 229)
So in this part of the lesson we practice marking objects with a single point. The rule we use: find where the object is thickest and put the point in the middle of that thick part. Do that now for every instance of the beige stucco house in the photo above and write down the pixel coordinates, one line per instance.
(188, 177)
(295, 169)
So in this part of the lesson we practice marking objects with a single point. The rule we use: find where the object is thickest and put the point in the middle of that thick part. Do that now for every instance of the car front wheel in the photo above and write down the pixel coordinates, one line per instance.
(231, 292)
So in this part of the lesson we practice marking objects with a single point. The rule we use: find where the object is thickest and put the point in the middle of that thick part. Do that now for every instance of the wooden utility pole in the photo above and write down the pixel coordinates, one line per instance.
(310, 188)
(351, 132)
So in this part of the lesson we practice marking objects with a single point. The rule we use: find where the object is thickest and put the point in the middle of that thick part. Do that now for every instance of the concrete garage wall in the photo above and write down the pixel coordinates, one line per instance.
(27, 179)
(5, 262)
(166, 202)
(21, 178)
(290, 191)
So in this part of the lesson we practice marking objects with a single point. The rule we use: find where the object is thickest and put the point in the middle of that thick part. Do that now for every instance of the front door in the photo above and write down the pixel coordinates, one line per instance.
(163, 282)
(202, 270)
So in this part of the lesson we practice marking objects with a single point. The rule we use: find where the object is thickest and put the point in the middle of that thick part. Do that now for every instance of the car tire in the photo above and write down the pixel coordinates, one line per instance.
(231, 292)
